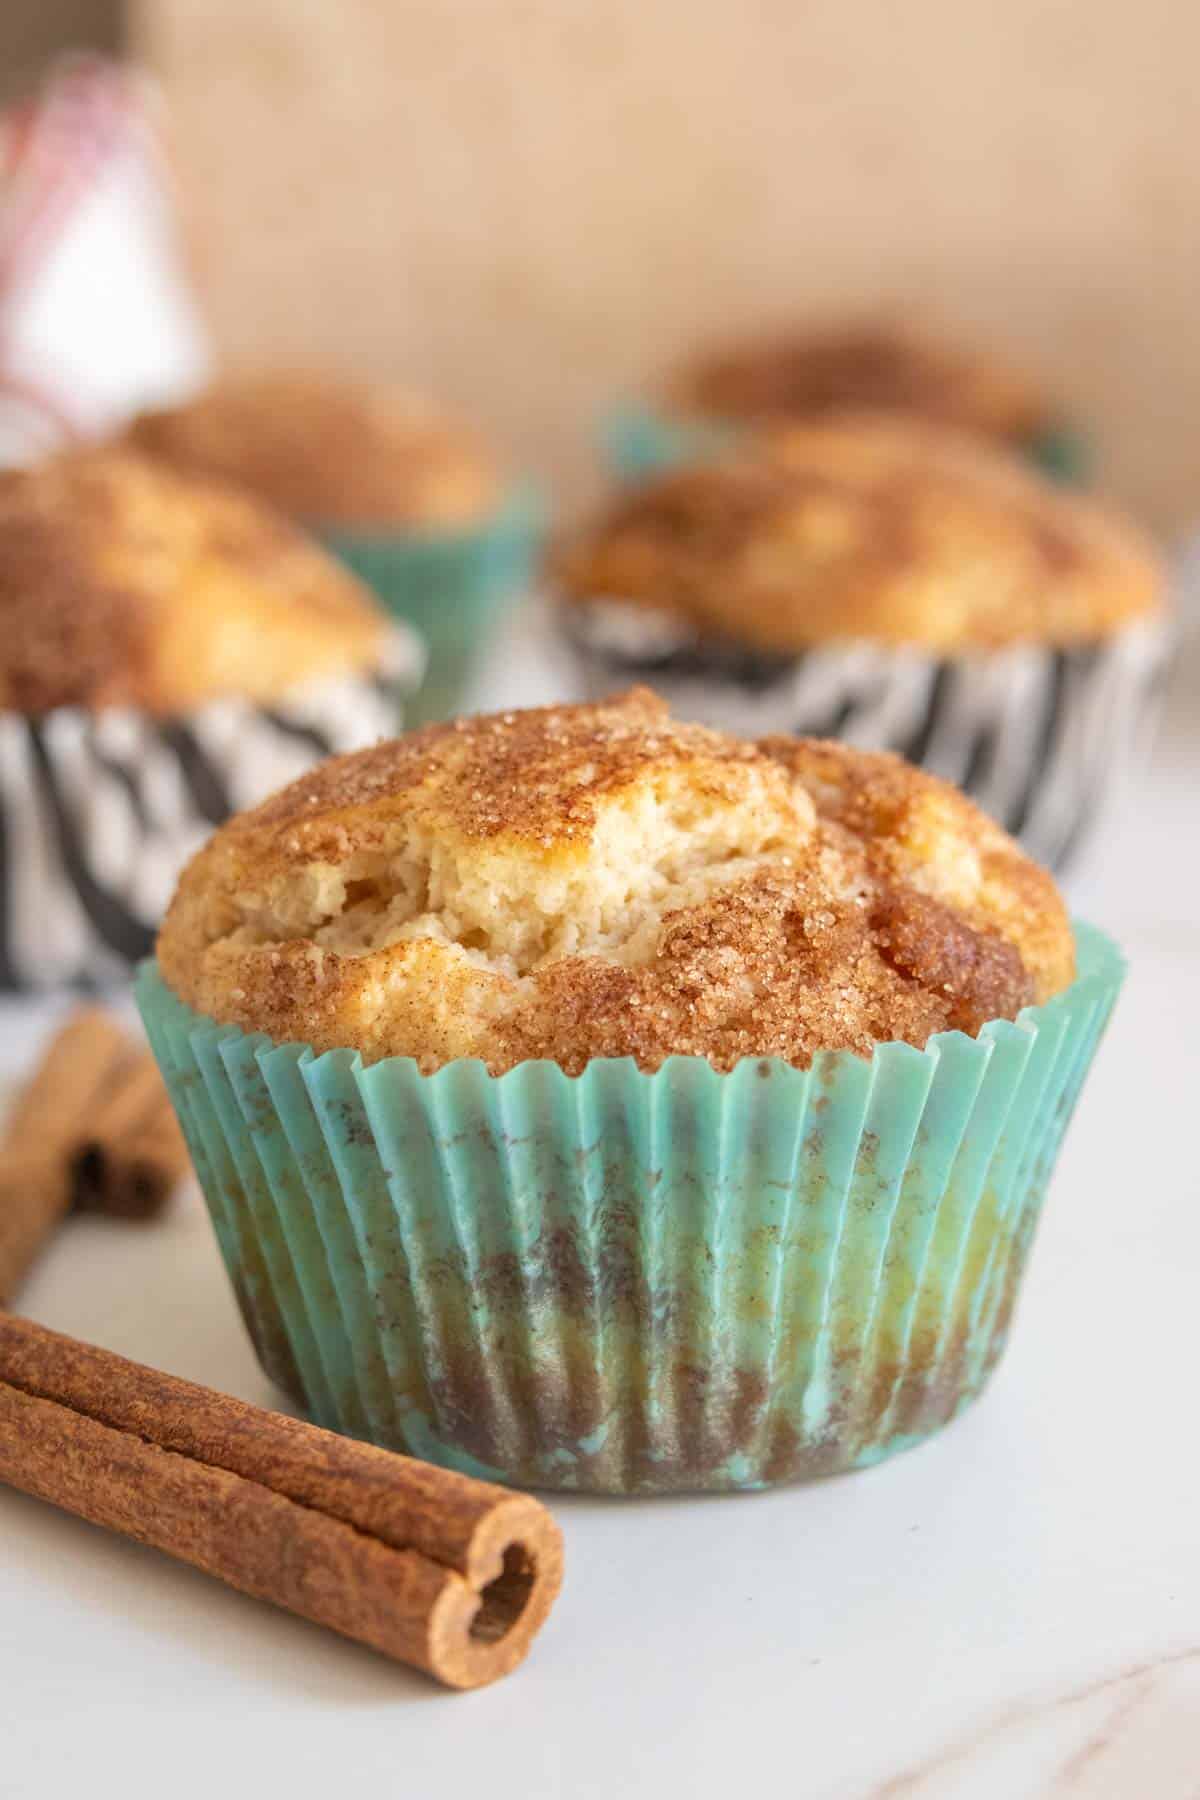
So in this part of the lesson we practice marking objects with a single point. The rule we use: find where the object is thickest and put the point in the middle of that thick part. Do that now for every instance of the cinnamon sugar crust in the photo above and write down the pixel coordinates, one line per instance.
(328, 451)
(123, 583)
(877, 366)
(604, 880)
(864, 526)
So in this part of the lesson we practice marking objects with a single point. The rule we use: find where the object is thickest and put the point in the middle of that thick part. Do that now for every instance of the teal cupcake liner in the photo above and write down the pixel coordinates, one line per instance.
(626, 1282)
(639, 442)
(1063, 453)
(453, 587)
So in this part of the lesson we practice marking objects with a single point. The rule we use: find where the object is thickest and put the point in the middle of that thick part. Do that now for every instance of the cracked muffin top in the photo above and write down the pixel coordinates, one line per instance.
(864, 526)
(328, 451)
(863, 365)
(603, 880)
(123, 583)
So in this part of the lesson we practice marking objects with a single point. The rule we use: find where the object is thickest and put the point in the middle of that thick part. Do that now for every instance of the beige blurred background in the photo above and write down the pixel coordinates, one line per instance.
(524, 205)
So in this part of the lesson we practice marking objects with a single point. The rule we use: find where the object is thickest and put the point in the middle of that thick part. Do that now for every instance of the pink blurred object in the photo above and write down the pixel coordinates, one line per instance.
(97, 315)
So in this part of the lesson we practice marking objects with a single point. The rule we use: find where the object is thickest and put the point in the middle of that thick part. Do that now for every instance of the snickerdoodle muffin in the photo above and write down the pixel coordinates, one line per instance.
(675, 1108)
(414, 502)
(869, 364)
(895, 583)
(810, 372)
(327, 450)
(605, 881)
(170, 651)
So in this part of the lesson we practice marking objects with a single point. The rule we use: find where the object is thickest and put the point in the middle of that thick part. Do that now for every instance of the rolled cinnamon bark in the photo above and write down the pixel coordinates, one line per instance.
(35, 1181)
(93, 1129)
(130, 1152)
(451, 1575)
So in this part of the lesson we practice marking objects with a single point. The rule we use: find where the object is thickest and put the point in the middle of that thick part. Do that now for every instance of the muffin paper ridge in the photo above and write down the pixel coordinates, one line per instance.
(1047, 740)
(632, 1282)
(100, 811)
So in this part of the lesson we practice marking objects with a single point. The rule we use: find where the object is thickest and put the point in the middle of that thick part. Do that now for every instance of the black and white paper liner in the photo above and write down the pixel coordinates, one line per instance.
(1046, 740)
(100, 811)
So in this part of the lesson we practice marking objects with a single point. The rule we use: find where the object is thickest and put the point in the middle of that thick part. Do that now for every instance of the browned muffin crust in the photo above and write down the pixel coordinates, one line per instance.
(864, 526)
(603, 880)
(872, 366)
(123, 583)
(328, 451)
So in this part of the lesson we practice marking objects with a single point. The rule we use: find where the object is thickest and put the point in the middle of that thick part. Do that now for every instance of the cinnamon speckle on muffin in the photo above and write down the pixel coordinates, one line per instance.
(603, 880)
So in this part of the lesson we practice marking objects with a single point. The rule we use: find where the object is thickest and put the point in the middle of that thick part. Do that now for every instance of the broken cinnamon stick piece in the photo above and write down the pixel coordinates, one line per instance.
(35, 1194)
(451, 1575)
(78, 1063)
(35, 1183)
(131, 1153)
(92, 1129)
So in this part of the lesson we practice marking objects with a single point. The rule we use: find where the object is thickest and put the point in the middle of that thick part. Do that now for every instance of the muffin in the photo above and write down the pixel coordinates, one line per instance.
(170, 651)
(324, 450)
(414, 504)
(592, 1100)
(806, 374)
(896, 584)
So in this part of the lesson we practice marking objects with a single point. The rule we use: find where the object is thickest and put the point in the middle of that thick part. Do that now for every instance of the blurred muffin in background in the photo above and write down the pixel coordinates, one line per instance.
(808, 373)
(326, 451)
(415, 504)
(894, 583)
(170, 651)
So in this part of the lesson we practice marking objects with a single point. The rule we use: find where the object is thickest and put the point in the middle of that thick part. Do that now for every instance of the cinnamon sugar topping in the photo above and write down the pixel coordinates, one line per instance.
(123, 583)
(327, 450)
(885, 367)
(601, 880)
(864, 526)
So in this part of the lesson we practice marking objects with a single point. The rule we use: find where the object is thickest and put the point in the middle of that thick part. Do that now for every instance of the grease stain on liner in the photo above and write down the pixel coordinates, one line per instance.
(625, 1282)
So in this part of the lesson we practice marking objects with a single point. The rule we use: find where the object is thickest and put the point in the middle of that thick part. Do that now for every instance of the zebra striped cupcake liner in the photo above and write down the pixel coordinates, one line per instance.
(99, 811)
(1048, 741)
(625, 1282)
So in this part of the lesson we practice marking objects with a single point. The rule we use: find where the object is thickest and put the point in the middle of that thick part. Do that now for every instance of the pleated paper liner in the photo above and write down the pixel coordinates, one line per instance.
(639, 441)
(453, 587)
(1048, 740)
(99, 811)
(628, 1282)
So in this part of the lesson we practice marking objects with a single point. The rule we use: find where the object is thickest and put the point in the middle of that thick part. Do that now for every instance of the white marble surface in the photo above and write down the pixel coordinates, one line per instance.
(1011, 1612)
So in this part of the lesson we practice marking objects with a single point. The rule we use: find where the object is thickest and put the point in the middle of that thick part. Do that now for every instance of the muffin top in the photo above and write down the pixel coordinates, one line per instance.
(602, 880)
(862, 365)
(328, 451)
(865, 526)
(123, 583)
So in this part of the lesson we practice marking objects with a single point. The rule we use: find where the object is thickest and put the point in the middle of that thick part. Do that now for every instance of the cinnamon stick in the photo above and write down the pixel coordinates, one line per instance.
(35, 1180)
(130, 1154)
(92, 1129)
(451, 1575)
